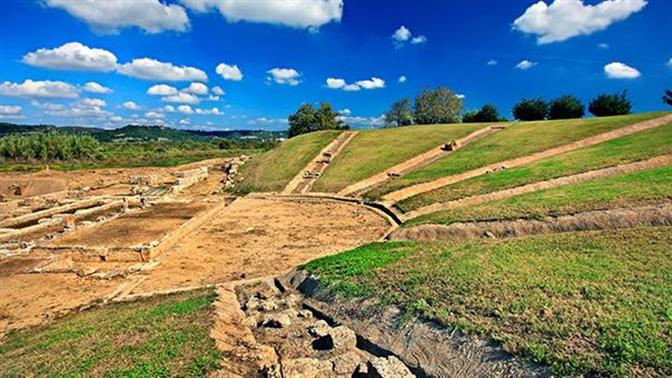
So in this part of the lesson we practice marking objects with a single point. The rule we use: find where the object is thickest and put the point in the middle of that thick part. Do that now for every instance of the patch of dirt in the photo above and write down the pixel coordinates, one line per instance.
(15, 188)
(13, 266)
(444, 181)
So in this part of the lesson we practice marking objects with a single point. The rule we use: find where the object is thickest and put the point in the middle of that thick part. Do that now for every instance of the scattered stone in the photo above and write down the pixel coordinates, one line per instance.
(343, 338)
(267, 306)
(306, 368)
(489, 235)
(347, 363)
(276, 321)
(86, 271)
(264, 290)
(305, 314)
(252, 304)
(319, 329)
(390, 367)
(271, 371)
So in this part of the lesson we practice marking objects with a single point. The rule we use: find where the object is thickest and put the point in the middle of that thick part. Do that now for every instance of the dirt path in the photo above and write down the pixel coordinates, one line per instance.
(417, 161)
(305, 179)
(444, 181)
(553, 183)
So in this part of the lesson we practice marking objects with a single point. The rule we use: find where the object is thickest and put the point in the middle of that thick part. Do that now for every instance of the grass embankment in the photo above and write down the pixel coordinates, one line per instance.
(648, 186)
(164, 336)
(517, 140)
(374, 151)
(594, 303)
(272, 170)
(628, 149)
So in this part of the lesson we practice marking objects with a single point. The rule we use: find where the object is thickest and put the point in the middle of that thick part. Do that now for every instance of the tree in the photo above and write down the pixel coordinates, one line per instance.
(530, 109)
(400, 114)
(565, 107)
(667, 98)
(610, 104)
(440, 105)
(487, 113)
(308, 119)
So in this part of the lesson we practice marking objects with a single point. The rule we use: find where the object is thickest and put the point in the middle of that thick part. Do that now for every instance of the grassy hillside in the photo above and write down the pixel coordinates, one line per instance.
(515, 141)
(373, 151)
(637, 188)
(636, 147)
(272, 170)
(593, 303)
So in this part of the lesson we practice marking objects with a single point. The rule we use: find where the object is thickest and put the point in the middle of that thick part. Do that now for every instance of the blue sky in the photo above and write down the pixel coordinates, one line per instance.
(284, 52)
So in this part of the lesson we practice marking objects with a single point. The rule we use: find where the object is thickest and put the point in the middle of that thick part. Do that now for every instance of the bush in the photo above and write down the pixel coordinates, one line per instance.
(565, 107)
(610, 104)
(487, 113)
(533, 109)
(440, 105)
(308, 119)
(49, 147)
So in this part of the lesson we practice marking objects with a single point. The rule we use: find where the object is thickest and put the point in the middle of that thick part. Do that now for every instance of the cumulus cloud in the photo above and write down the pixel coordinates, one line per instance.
(93, 87)
(403, 35)
(363, 121)
(197, 89)
(72, 56)
(46, 88)
(212, 111)
(10, 109)
(669, 63)
(185, 109)
(229, 72)
(564, 19)
(152, 16)
(373, 83)
(93, 102)
(419, 39)
(525, 65)
(184, 122)
(85, 108)
(182, 97)
(130, 105)
(300, 14)
(335, 83)
(154, 115)
(161, 90)
(492, 62)
(169, 108)
(46, 105)
(618, 70)
(218, 91)
(151, 69)
(288, 76)
(402, 79)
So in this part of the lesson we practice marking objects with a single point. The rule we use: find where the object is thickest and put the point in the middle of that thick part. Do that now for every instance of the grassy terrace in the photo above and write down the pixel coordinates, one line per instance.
(275, 168)
(636, 147)
(164, 336)
(637, 188)
(595, 303)
(518, 140)
(374, 151)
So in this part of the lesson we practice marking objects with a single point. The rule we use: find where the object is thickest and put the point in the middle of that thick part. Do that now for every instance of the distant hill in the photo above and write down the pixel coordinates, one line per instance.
(137, 133)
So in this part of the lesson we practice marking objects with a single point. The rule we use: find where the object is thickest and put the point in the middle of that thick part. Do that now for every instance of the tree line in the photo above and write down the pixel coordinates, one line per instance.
(49, 147)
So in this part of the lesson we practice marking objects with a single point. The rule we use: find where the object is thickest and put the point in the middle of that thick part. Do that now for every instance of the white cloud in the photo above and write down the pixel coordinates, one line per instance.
(618, 70)
(335, 83)
(211, 98)
(46, 88)
(130, 105)
(525, 64)
(212, 111)
(402, 34)
(419, 39)
(345, 112)
(363, 121)
(85, 108)
(197, 89)
(460, 96)
(373, 83)
(218, 91)
(185, 109)
(669, 63)
(603, 46)
(93, 87)
(183, 98)
(10, 109)
(153, 16)
(294, 13)
(228, 72)
(46, 105)
(116, 119)
(151, 69)
(284, 76)
(72, 56)
(564, 19)
(161, 90)
(154, 115)
(351, 88)
(93, 103)
(402, 79)
(492, 62)
(184, 121)
(169, 108)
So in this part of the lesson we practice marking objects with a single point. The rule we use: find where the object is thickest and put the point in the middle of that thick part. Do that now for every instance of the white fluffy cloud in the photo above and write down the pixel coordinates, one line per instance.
(197, 89)
(402, 79)
(153, 16)
(169, 108)
(46, 105)
(335, 83)
(564, 19)
(185, 109)
(151, 69)
(46, 88)
(403, 35)
(93, 87)
(154, 115)
(218, 91)
(525, 64)
(294, 13)
(212, 111)
(10, 109)
(229, 72)
(419, 39)
(669, 63)
(492, 62)
(363, 121)
(373, 83)
(161, 90)
(72, 56)
(184, 122)
(85, 108)
(183, 98)
(93, 102)
(130, 105)
(288, 76)
(618, 70)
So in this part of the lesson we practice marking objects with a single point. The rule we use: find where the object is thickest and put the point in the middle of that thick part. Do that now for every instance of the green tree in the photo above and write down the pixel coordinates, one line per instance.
(565, 107)
(530, 109)
(487, 113)
(440, 105)
(308, 119)
(400, 114)
(610, 104)
(667, 97)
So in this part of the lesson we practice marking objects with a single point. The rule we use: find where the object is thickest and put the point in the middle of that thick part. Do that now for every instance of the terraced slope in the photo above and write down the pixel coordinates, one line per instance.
(272, 170)
(374, 151)
(515, 141)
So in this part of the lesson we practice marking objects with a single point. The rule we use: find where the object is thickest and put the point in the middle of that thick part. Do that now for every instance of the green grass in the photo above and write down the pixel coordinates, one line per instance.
(273, 170)
(374, 151)
(636, 147)
(592, 303)
(518, 140)
(164, 336)
(646, 186)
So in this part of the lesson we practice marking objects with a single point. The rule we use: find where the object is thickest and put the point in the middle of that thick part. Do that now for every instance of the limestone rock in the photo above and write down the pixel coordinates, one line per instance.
(276, 321)
(267, 306)
(346, 363)
(390, 367)
(319, 329)
(306, 368)
(343, 338)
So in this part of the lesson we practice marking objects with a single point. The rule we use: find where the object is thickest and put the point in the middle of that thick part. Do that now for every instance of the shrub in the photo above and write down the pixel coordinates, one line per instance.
(308, 119)
(487, 113)
(49, 147)
(533, 109)
(440, 105)
(610, 104)
(565, 107)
